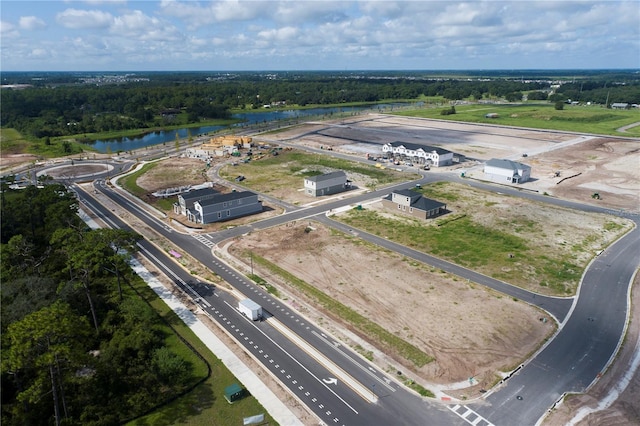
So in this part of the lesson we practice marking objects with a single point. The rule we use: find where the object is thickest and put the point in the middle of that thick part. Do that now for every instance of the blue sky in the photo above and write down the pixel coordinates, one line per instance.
(177, 35)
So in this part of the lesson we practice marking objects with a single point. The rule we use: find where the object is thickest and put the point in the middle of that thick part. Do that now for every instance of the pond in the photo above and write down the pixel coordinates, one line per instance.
(199, 134)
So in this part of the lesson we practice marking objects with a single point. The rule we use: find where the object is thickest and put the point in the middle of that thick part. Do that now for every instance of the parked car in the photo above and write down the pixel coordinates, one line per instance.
(240, 178)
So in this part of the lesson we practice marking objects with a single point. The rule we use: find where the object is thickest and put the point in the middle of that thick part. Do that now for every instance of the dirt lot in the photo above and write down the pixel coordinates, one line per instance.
(605, 165)
(471, 331)
(453, 321)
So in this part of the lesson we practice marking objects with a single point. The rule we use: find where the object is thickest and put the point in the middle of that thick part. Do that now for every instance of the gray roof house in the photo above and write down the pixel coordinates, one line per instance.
(412, 203)
(186, 200)
(326, 184)
(435, 156)
(223, 207)
(506, 171)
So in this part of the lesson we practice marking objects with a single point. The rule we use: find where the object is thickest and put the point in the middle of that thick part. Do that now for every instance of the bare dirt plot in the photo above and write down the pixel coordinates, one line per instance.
(471, 331)
(172, 173)
(177, 172)
(606, 165)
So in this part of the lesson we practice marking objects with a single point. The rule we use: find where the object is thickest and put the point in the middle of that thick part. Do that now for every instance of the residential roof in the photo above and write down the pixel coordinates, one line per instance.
(327, 176)
(417, 200)
(507, 164)
(220, 198)
(198, 193)
(415, 147)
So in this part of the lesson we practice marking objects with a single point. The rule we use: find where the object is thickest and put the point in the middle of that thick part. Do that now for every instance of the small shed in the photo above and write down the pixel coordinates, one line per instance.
(233, 393)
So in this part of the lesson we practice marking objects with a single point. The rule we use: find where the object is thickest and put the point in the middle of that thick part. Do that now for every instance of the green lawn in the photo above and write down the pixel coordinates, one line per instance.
(205, 404)
(581, 119)
(289, 167)
(513, 248)
(13, 142)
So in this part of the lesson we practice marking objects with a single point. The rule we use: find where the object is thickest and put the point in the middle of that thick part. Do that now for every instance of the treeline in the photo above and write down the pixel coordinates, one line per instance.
(77, 346)
(64, 109)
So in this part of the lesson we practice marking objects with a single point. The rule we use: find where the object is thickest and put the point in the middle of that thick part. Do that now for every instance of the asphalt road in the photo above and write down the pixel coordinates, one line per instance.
(591, 328)
(315, 385)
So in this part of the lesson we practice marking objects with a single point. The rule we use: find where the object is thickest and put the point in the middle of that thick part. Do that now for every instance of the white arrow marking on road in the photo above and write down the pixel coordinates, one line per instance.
(331, 381)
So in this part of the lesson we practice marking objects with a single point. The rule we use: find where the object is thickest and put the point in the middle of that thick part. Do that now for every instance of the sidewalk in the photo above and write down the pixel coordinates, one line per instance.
(276, 408)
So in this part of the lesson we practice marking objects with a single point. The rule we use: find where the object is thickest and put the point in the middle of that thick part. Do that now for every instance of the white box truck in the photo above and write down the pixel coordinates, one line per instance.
(251, 309)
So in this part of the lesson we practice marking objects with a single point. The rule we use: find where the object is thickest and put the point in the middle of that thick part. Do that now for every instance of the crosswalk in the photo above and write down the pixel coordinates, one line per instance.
(204, 240)
(469, 415)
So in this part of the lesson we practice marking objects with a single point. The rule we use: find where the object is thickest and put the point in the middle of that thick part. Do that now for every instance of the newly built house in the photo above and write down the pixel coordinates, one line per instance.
(419, 154)
(223, 207)
(506, 171)
(326, 184)
(412, 203)
(186, 199)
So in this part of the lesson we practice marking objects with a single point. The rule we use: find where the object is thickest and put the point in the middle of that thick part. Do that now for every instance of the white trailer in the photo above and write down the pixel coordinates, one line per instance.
(251, 309)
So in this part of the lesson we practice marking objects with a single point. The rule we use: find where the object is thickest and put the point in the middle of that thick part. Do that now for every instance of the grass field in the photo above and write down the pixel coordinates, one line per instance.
(205, 404)
(13, 142)
(580, 119)
(529, 248)
(274, 174)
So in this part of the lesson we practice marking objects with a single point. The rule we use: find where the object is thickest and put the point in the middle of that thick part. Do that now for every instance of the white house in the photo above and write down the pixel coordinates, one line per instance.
(326, 184)
(506, 171)
(421, 154)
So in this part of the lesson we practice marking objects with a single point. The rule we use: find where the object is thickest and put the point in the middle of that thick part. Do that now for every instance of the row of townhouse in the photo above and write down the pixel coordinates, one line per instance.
(420, 154)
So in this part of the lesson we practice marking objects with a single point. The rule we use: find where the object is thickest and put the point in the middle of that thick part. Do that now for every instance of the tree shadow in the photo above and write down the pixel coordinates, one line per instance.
(181, 409)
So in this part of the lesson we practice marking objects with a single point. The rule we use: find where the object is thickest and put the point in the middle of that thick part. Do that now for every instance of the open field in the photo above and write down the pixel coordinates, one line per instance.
(531, 245)
(607, 165)
(467, 329)
(573, 118)
(468, 340)
(282, 176)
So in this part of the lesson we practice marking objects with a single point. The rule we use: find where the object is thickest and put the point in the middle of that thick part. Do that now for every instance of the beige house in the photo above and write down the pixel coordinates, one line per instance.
(412, 203)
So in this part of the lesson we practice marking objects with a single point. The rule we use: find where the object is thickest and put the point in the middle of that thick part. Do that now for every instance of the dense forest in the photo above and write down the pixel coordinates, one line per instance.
(66, 104)
(78, 345)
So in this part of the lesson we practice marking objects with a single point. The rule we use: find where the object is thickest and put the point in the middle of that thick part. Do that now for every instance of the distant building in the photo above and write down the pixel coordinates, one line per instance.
(412, 203)
(326, 184)
(506, 171)
(420, 154)
(619, 105)
(219, 146)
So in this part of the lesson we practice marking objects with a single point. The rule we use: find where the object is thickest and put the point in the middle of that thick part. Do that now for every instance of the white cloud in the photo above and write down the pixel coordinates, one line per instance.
(31, 23)
(136, 25)
(39, 53)
(83, 19)
(195, 15)
(8, 30)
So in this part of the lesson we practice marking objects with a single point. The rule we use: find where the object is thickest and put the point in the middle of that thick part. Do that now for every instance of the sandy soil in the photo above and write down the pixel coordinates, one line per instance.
(477, 333)
(606, 165)
(471, 331)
